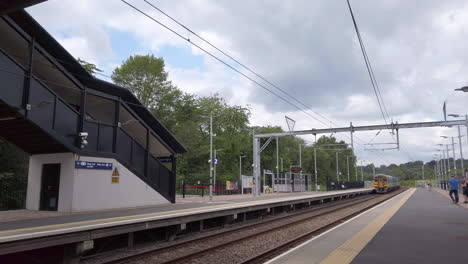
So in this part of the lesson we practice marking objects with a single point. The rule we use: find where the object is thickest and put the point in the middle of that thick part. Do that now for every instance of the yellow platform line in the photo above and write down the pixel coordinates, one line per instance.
(351, 248)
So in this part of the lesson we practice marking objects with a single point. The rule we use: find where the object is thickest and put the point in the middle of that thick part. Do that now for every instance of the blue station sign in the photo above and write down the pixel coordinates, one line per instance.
(92, 165)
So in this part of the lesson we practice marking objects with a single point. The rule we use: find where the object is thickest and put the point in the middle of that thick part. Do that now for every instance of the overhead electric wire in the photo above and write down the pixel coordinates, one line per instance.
(232, 58)
(378, 95)
(212, 55)
(366, 60)
(237, 61)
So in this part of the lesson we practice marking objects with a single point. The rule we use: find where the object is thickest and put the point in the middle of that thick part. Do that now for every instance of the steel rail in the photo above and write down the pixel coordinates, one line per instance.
(270, 253)
(328, 208)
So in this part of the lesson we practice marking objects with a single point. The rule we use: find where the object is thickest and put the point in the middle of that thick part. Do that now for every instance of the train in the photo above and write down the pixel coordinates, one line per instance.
(385, 183)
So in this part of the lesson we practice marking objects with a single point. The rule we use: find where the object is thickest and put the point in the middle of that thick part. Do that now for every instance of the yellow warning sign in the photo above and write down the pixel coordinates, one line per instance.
(115, 179)
(115, 172)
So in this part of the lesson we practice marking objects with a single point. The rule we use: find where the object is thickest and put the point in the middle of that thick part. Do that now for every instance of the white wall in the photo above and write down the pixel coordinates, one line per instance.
(93, 189)
(67, 163)
(88, 190)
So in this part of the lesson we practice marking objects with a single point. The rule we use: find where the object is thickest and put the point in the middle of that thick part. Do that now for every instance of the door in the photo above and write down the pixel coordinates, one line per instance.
(50, 187)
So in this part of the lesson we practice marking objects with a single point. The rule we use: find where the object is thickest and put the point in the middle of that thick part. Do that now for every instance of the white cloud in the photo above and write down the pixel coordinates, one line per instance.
(308, 48)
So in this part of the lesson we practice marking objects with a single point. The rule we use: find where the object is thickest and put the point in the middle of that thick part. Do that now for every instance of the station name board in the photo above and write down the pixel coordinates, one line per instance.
(93, 165)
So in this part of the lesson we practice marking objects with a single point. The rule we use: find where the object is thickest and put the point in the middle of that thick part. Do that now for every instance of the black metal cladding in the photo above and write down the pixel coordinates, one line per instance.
(124, 146)
(106, 138)
(61, 121)
(13, 80)
(66, 121)
(42, 102)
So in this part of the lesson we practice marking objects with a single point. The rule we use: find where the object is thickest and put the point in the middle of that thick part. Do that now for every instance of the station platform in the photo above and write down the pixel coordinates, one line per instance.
(417, 226)
(77, 227)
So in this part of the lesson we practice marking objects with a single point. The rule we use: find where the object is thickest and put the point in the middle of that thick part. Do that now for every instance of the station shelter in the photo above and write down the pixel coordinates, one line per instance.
(92, 144)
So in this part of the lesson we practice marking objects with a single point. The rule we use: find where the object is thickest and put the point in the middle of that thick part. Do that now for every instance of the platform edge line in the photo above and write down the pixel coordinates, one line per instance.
(271, 261)
(352, 247)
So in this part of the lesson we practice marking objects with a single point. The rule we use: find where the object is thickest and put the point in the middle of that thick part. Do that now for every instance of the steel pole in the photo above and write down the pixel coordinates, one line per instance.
(355, 167)
(448, 160)
(277, 161)
(461, 152)
(454, 158)
(466, 125)
(315, 166)
(362, 173)
(240, 174)
(211, 156)
(444, 166)
(423, 172)
(373, 169)
(347, 164)
(256, 164)
(300, 161)
(337, 170)
(214, 173)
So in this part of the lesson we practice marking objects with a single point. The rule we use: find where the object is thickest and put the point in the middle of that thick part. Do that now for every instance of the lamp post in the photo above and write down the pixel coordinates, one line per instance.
(437, 167)
(444, 167)
(460, 144)
(315, 167)
(445, 153)
(211, 151)
(448, 161)
(453, 152)
(300, 161)
(362, 173)
(277, 163)
(337, 170)
(347, 164)
(423, 172)
(240, 173)
(464, 89)
(215, 165)
(355, 167)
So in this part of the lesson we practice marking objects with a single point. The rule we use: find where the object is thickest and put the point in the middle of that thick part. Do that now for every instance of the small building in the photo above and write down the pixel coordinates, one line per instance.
(92, 144)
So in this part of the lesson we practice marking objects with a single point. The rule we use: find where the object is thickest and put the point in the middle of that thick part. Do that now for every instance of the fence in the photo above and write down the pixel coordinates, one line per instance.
(336, 185)
(202, 189)
(12, 197)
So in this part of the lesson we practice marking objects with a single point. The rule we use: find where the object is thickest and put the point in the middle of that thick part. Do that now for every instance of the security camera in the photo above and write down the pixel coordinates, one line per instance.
(83, 134)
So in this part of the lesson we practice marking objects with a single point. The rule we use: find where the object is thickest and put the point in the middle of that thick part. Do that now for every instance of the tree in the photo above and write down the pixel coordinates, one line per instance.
(91, 68)
(146, 77)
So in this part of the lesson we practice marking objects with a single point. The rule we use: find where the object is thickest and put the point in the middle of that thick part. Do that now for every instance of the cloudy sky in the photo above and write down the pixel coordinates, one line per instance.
(308, 48)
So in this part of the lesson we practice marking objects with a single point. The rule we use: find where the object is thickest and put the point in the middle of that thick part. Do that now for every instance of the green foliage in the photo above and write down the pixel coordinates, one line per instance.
(91, 68)
(408, 183)
(187, 116)
(146, 78)
(13, 176)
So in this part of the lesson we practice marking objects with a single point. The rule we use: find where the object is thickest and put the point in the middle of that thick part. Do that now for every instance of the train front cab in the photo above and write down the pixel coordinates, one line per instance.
(381, 183)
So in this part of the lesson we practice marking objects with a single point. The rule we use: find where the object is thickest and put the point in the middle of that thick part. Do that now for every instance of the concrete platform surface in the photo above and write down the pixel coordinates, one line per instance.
(417, 226)
(46, 226)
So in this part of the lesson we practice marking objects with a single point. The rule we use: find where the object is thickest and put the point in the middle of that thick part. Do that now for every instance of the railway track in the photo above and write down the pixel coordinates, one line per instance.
(272, 252)
(190, 250)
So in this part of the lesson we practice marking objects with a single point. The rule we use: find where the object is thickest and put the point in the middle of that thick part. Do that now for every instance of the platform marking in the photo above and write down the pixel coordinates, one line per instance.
(351, 248)
(332, 229)
(130, 219)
